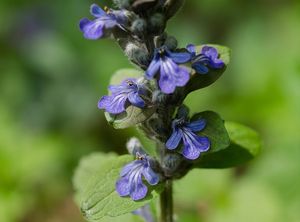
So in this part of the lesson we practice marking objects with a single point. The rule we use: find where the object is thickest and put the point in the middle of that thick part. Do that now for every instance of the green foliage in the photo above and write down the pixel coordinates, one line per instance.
(199, 81)
(133, 115)
(245, 144)
(95, 180)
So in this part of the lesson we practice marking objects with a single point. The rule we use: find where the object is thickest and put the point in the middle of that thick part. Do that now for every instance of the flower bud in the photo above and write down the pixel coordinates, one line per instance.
(171, 43)
(170, 164)
(134, 145)
(159, 97)
(122, 4)
(183, 112)
(140, 6)
(157, 23)
(138, 54)
(138, 26)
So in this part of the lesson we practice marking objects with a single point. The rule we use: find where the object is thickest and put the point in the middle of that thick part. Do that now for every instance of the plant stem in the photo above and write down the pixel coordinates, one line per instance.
(166, 203)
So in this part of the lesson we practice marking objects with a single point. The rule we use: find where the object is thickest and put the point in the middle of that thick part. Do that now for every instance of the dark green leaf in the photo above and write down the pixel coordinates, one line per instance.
(245, 145)
(199, 81)
(95, 181)
(214, 130)
(133, 115)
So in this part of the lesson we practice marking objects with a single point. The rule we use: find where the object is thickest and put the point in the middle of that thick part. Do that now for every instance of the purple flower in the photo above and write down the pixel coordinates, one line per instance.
(171, 75)
(208, 58)
(128, 90)
(105, 20)
(193, 144)
(145, 213)
(131, 183)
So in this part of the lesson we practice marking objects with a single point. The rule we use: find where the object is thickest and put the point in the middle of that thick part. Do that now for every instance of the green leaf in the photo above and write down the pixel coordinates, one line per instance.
(245, 145)
(94, 182)
(86, 169)
(214, 130)
(199, 81)
(133, 115)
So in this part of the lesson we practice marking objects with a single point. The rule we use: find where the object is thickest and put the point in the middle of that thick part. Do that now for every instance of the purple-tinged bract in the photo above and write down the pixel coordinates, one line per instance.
(171, 75)
(208, 58)
(105, 20)
(131, 181)
(193, 144)
(128, 91)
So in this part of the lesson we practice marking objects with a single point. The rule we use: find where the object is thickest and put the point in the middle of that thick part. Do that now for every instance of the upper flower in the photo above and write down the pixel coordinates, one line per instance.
(171, 75)
(105, 20)
(131, 183)
(128, 90)
(208, 58)
(193, 144)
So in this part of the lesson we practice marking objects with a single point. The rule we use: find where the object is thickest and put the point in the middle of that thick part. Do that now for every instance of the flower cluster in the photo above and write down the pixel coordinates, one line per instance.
(138, 27)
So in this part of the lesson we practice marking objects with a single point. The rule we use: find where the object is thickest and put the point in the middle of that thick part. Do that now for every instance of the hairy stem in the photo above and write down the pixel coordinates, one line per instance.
(166, 203)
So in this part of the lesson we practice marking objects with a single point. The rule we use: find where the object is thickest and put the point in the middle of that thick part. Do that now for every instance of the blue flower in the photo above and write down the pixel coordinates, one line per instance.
(145, 213)
(128, 90)
(171, 75)
(208, 58)
(193, 144)
(105, 20)
(131, 183)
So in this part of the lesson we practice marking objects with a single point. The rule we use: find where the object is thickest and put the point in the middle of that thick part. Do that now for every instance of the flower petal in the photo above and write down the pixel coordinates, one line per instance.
(191, 48)
(197, 125)
(150, 176)
(113, 104)
(123, 186)
(180, 57)
(174, 140)
(136, 100)
(153, 68)
(182, 76)
(194, 145)
(139, 190)
(167, 81)
(92, 29)
(97, 11)
(200, 68)
(216, 64)
(127, 168)
(210, 52)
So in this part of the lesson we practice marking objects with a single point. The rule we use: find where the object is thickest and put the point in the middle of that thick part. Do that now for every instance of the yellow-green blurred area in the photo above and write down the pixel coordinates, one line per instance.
(51, 79)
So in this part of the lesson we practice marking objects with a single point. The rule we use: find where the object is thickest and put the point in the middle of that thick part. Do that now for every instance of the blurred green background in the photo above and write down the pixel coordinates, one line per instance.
(51, 79)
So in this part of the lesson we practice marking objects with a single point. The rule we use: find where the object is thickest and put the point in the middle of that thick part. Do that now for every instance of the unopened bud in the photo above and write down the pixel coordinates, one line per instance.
(122, 4)
(157, 23)
(139, 26)
(134, 145)
(171, 43)
(137, 54)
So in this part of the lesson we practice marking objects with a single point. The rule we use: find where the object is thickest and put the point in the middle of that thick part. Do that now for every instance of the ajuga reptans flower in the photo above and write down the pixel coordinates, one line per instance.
(166, 63)
(128, 91)
(193, 144)
(207, 59)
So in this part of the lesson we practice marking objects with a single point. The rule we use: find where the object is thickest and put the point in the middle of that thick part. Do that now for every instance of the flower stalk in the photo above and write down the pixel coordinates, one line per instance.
(166, 202)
